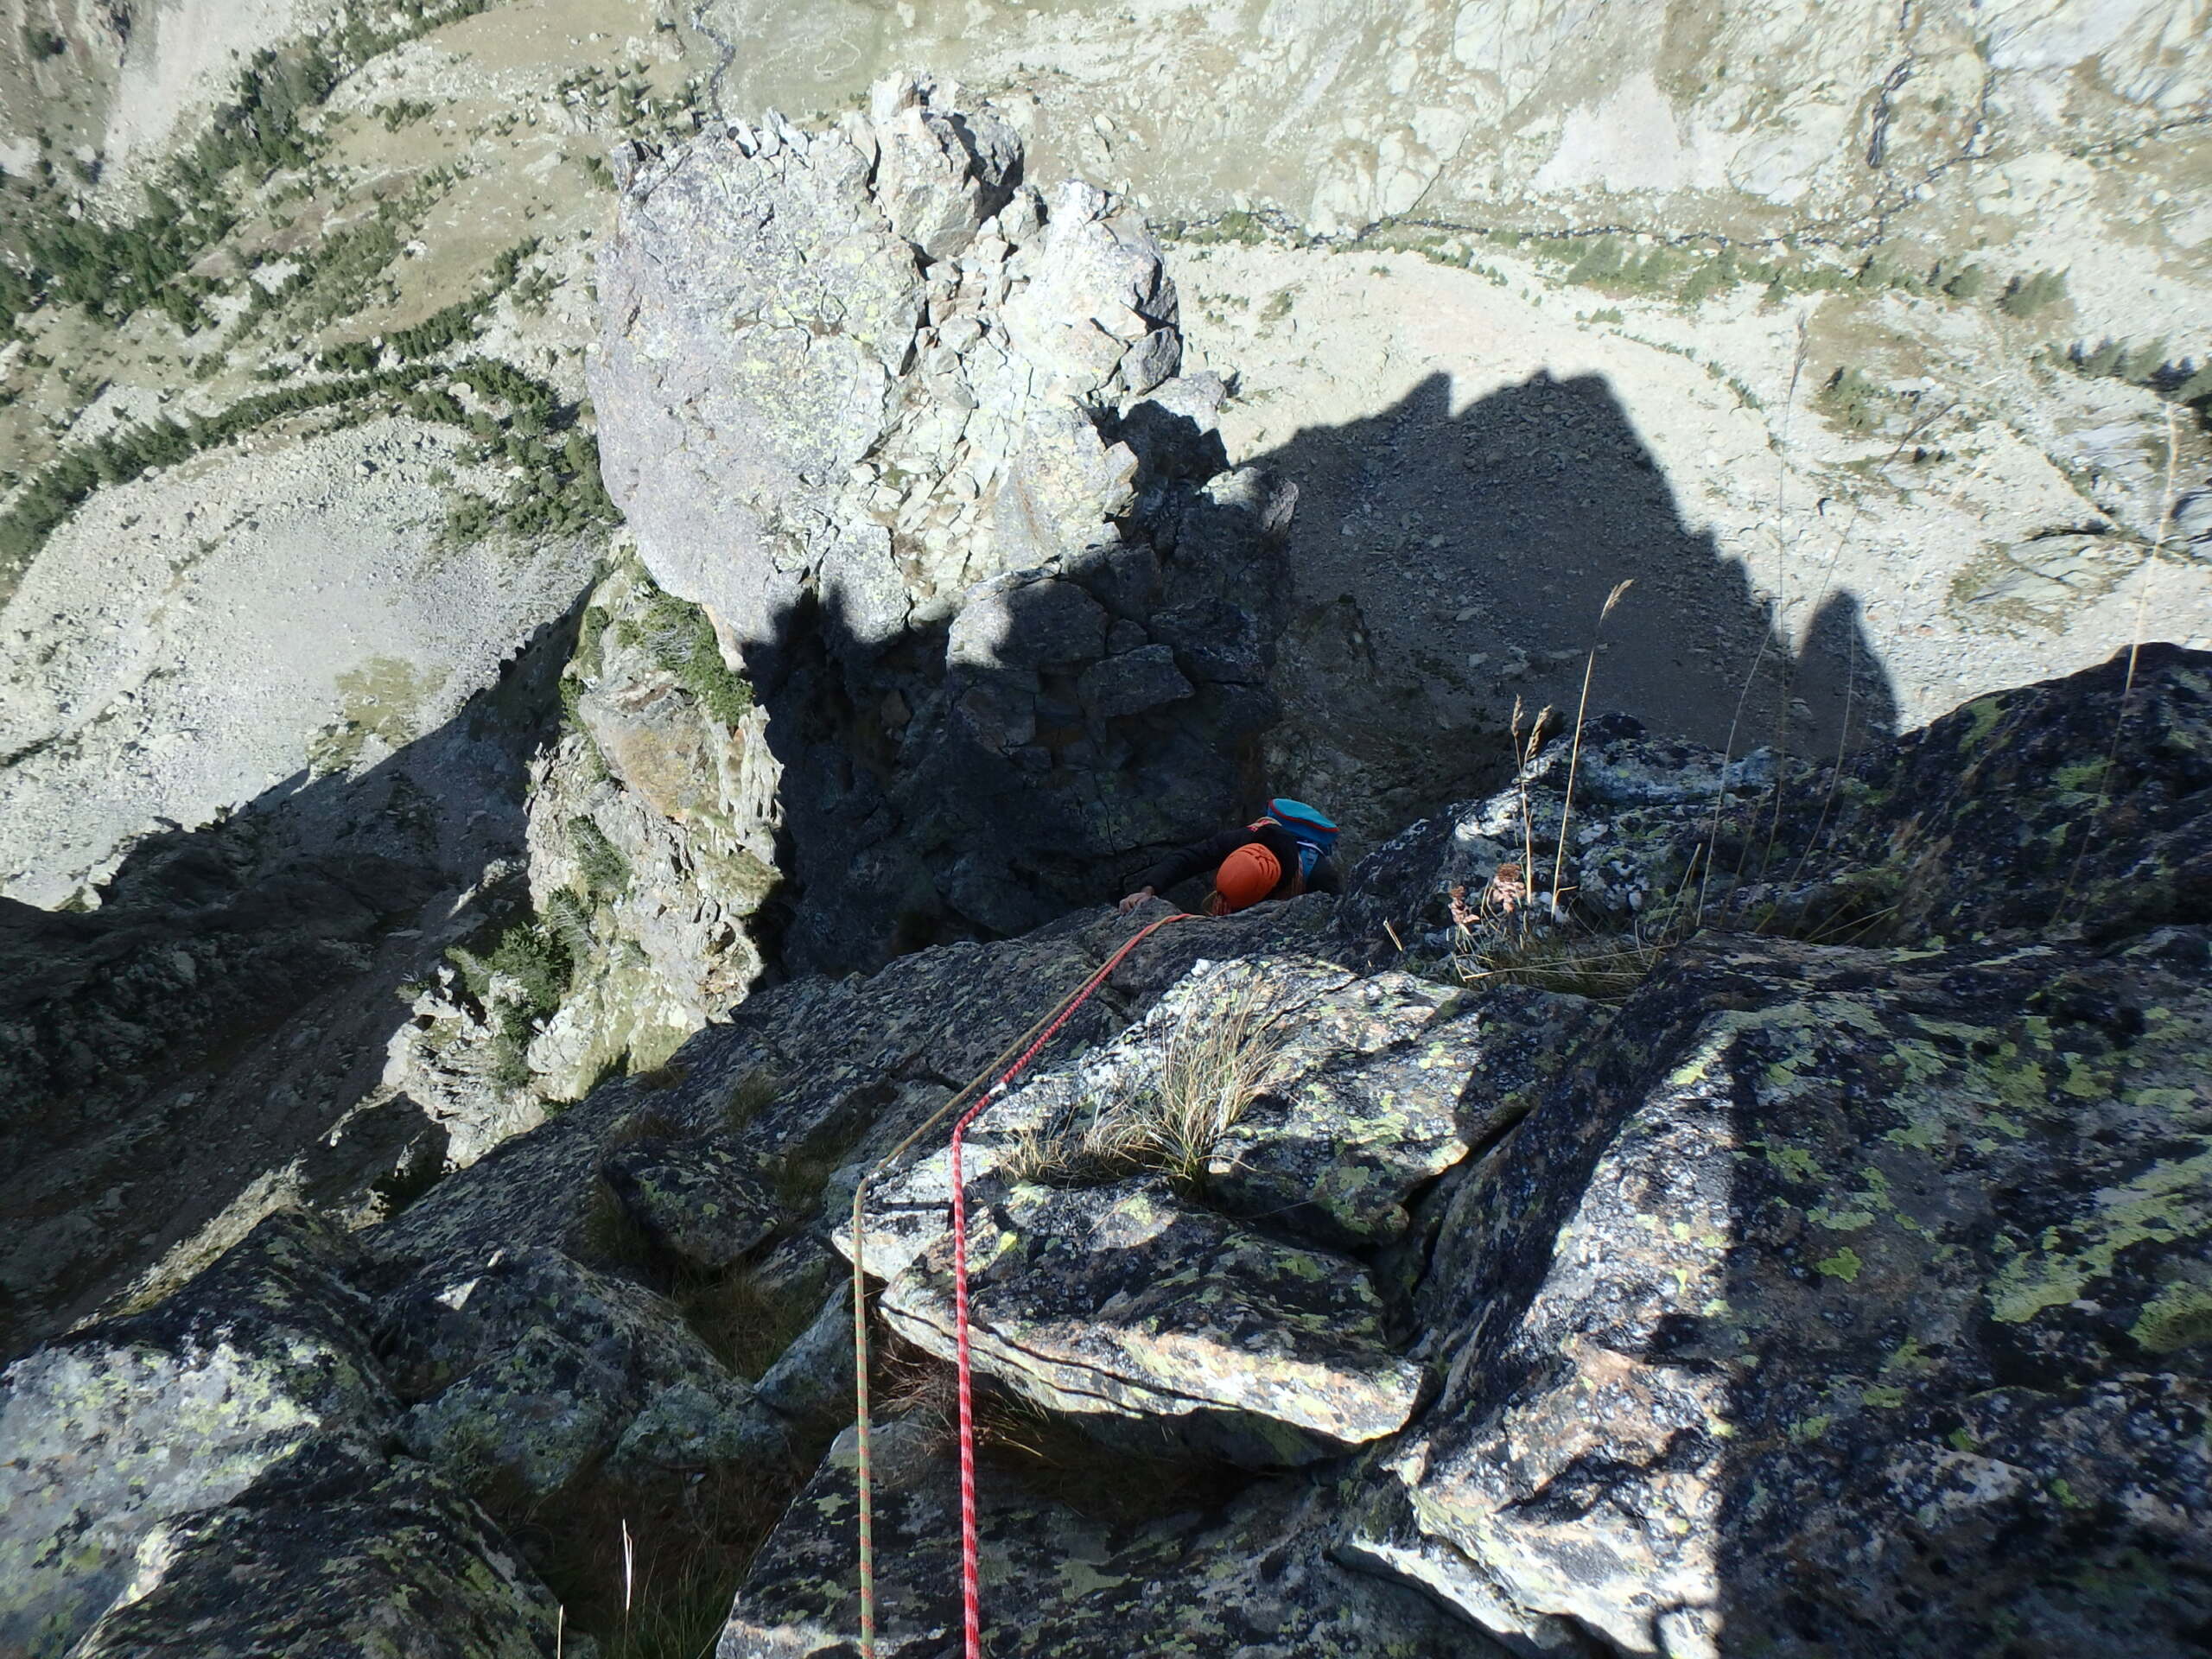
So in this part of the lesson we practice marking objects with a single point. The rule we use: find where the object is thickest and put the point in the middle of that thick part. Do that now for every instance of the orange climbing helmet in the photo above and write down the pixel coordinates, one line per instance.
(1246, 876)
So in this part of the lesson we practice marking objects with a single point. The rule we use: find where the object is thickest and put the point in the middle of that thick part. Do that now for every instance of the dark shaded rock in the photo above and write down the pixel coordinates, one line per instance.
(178, 1063)
(1893, 1263)
(812, 1383)
(1026, 620)
(336, 1553)
(2077, 802)
(2074, 802)
(1249, 1580)
(1132, 683)
(528, 1368)
(699, 1200)
(116, 1431)
(1123, 576)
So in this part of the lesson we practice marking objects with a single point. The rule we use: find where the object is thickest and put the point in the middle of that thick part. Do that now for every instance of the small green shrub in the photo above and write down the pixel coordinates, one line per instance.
(468, 516)
(605, 870)
(1967, 284)
(405, 112)
(538, 966)
(1600, 261)
(2024, 296)
(1714, 275)
(591, 636)
(1851, 399)
(683, 642)
(536, 961)
(568, 915)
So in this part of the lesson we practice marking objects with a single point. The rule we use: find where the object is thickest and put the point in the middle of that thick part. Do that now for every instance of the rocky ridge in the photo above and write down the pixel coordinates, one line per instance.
(1329, 1339)
(1838, 1287)
(912, 434)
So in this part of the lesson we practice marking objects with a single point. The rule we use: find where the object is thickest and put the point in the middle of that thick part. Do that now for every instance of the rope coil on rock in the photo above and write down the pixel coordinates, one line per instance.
(1024, 1049)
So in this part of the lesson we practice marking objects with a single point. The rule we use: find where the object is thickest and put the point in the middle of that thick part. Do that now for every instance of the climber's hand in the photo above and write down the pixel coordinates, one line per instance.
(1134, 899)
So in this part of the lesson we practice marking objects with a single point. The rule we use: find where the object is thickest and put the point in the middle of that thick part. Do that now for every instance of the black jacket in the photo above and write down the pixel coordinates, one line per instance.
(1205, 857)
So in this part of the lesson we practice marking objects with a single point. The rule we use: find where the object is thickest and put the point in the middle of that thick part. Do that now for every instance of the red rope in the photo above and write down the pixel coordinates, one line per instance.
(970, 1593)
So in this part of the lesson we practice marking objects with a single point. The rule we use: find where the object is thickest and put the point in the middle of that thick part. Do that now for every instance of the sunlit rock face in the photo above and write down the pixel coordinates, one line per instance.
(912, 433)
(1834, 1284)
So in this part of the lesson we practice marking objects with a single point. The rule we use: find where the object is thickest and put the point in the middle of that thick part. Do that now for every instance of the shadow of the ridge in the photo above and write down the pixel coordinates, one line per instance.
(1449, 563)
(1364, 655)
(936, 790)
(188, 1046)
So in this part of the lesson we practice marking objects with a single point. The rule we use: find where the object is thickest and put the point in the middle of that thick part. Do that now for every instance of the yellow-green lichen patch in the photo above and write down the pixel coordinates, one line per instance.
(2168, 1203)
(2179, 1317)
(1844, 1264)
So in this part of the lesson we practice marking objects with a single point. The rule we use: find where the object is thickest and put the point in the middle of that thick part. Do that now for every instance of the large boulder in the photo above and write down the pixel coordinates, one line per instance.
(1834, 1301)
(524, 1372)
(334, 1553)
(912, 433)
(110, 1435)
(1120, 1304)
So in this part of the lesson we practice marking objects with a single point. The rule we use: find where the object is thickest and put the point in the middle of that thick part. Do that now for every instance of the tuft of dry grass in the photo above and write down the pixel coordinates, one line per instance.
(750, 1095)
(1574, 758)
(1213, 1067)
(647, 1123)
(611, 1236)
(648, 1569)
(744, 1324)
(1565, 958)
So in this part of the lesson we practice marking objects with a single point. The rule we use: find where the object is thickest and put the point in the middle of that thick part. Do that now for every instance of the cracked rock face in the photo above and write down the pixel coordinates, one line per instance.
(1122, 1300)
(1249, 1579)
(912, 433)
(112, 1433)
(338, 1552)
(1823, 1256)
(1847, 1298)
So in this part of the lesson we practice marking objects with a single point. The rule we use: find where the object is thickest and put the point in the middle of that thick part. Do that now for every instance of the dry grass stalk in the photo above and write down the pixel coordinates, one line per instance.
(649, 1568)
(1574, 756)
(2128, 685)
(1212, 1069)
(1524, 756)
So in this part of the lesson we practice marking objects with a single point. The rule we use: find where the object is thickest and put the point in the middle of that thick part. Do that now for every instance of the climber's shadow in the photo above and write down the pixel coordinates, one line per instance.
(1449, 563)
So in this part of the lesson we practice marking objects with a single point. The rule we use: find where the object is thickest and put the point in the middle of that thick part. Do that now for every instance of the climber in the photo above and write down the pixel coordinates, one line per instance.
(1280, 855)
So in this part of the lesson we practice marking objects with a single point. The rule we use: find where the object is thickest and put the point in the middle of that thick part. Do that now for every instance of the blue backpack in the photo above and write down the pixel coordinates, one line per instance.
(1314, 830)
